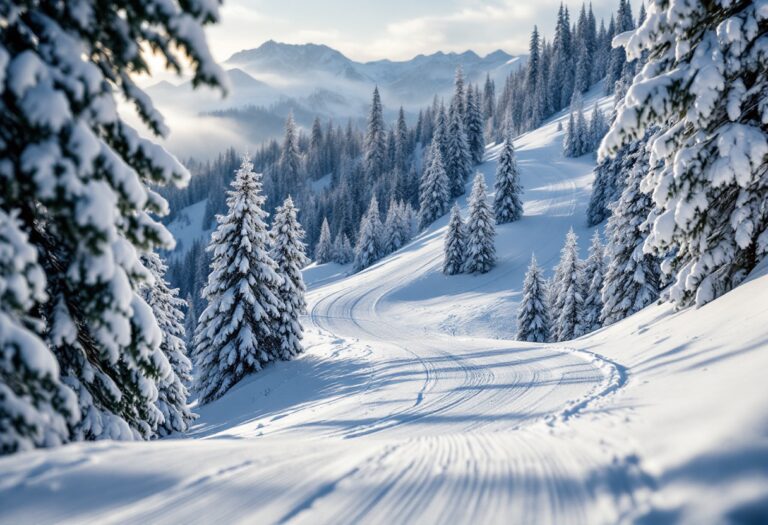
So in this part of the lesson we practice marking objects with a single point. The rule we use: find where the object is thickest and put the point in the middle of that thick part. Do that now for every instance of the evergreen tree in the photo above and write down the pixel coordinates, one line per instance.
(235, 332)
(287, 250)
(506, 204)
(566, 293)
(459, 95)
(618, 56)
(324, 248)
(375, 145)
(36, 408)
(594, 272)
(167, 307)
(401, 143)
(290, 158)
(80, 183)
(190, 319)
(454, 246)
(342, 249)
(474, 128)
(489, 102)
(632, 276)
(458, 163)
(570, 144)
(583, 143)
(481, 230)
(315, 164)
(707, 176)
(597, 128)
(396, 228)
(434, 191)
(368, 249)
(533, 313)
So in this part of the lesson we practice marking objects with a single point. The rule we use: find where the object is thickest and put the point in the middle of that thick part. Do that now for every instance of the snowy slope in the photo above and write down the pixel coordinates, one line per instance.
(389, 418)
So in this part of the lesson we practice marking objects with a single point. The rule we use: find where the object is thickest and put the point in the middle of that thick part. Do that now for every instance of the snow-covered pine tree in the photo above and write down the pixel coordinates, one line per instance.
(606, 188)
(489, 99)
(459, 95)
(704, 87)
(480, 252)
(618, 57)
(342, 249)
(583, 143)
(168, 309)
(368, 248)
(324, 248)
(235, 335)
(533, 313)
(457, 160)
(396, 228)
(506, 203)
(434, 192)
(454, 245)
(402, 149)
(36, 408)
(592, 286)
(375, 144)
(287, 250)
(570, 140)
(190, 320)
(77, 177)
(597, 128)
(566, 293)
(475, 128)
(289, 176)
(632, 277)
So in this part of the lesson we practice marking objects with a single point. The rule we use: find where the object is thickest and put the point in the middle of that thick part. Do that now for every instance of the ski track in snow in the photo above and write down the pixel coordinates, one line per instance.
(391, 421)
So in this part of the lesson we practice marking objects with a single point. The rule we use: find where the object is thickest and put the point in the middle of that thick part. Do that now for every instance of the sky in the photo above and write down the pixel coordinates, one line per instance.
(394, 29)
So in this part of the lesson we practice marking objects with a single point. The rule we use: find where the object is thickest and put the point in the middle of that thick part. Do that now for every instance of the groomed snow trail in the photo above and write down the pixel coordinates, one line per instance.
(398, 413)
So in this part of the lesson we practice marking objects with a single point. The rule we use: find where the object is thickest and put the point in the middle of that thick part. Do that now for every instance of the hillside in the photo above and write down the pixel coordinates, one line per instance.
(413, 404)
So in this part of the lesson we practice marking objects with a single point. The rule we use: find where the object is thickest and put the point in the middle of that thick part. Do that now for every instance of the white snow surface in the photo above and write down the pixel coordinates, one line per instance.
(411, 405)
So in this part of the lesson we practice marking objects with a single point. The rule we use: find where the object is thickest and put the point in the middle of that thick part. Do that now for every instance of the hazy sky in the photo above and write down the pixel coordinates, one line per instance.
(396, 29)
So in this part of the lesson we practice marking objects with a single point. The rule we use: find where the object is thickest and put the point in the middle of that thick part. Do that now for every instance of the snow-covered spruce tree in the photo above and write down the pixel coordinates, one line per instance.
(632, 277)
(454, 246)
(569, 141)
(167, 307)
(457, 161)
(474, 127)
(402, 148)
(396, 227)
(36, 409)
(369, 240)
(190, 320)
(235, 334)
(79, 179)
(287, 250)
(289, 165)
(506, 203)
(592, 286)
(565, 293)
(582, 143)
(375, 144)
(704, 86)
(606, 187)
(324, 248)
(342, 249)
(533, 313)
(480, 252)
(434, 192)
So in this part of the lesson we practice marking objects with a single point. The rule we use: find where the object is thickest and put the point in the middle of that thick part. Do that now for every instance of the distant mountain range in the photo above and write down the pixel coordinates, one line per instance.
(312, 80)
(409, 82)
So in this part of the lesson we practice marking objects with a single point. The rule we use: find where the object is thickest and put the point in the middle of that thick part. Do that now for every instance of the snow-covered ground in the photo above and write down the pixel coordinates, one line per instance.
(412, 405)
